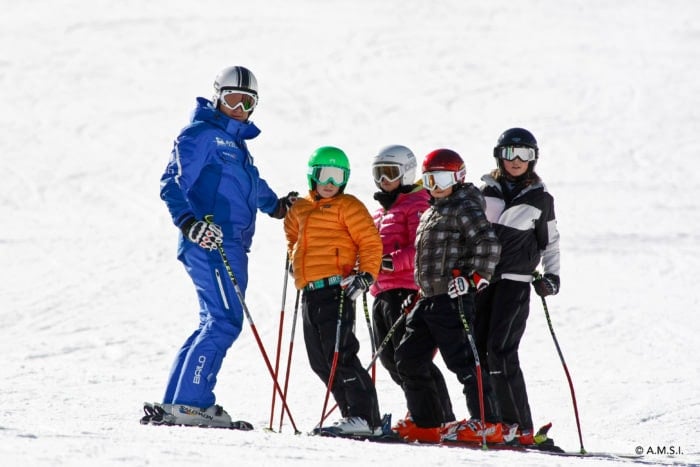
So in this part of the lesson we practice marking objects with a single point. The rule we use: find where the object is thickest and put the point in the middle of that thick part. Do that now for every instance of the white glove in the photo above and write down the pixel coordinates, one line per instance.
(458, 286)
(479, 282)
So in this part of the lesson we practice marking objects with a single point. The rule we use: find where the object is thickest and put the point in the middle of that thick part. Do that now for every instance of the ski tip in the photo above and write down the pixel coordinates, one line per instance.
(547, 446)
(242, 425)
(542, 438)
(544, 429)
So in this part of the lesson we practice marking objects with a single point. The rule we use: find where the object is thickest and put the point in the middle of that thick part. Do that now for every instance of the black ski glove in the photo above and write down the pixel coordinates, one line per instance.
(355, 284)
(546, 285)
(207, 235)
(283, 204)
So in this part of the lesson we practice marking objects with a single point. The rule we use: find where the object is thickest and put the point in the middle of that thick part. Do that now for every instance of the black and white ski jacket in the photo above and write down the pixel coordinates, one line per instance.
(526, 227)
(454, 234)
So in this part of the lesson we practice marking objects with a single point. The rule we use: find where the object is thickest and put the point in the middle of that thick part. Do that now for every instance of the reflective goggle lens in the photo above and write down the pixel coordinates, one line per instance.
(324, 175)
(234, 98)
(441, 180)
(509, 153)
(390, 173)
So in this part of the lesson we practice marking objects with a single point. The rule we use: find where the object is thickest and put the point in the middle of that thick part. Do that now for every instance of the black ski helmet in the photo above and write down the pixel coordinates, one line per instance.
(517, 137)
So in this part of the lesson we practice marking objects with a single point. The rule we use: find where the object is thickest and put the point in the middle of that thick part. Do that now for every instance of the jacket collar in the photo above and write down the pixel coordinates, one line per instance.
(493, 183)
(206, 112)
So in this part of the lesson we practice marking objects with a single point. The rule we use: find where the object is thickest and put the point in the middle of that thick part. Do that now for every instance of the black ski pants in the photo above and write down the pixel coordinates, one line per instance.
(385, 311)
(353, 388)
(501, 315)
(436, 322)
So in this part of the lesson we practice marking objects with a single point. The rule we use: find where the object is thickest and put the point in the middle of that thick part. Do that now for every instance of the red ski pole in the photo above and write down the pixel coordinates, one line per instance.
(563, 363)
(383, 345)
(477, 364)
(334, 365)
(279, 339)
(239, 294)
(289, 356)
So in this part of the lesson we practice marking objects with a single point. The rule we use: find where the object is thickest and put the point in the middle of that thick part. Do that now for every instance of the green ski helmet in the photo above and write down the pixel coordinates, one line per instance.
(328, 164)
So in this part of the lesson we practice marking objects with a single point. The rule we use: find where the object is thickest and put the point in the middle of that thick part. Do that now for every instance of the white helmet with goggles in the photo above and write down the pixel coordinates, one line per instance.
(239, 82)
(393, 163)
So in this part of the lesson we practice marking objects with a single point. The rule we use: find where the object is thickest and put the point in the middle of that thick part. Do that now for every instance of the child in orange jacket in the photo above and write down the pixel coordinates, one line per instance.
(335, 252)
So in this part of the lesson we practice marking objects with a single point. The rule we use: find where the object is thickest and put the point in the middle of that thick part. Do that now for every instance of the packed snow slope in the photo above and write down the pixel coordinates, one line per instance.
(94, 304)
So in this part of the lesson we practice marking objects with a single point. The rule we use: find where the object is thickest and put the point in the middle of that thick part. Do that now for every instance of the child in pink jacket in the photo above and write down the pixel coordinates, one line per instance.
(402, 203)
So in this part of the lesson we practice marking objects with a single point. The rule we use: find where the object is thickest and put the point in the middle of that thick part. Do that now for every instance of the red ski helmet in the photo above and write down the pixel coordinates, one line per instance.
(443, 160)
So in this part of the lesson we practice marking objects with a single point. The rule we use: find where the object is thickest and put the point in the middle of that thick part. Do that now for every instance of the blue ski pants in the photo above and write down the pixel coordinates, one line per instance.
(193, 374)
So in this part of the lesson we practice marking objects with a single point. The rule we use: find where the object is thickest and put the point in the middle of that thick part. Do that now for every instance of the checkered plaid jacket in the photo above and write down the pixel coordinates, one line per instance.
(454, 234)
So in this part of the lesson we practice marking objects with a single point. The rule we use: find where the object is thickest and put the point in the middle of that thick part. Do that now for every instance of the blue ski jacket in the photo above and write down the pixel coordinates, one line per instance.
(211, 172)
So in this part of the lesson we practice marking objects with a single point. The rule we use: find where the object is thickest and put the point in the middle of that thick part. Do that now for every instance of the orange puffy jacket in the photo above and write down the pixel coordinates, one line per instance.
(330, 236)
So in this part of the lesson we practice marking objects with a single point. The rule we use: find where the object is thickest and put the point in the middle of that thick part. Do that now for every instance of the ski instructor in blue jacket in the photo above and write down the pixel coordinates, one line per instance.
(211, 173)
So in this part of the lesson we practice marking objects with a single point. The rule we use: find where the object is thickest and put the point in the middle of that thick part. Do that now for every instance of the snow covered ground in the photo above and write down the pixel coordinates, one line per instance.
(94, 305)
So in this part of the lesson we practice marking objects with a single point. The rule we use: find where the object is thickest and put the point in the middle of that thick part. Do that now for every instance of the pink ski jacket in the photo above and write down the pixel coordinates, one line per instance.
(397, 228)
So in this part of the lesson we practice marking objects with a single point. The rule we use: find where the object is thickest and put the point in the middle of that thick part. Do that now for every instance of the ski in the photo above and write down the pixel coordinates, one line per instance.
(154, 415)
(552, 450)
(381, 438)
(547, 447)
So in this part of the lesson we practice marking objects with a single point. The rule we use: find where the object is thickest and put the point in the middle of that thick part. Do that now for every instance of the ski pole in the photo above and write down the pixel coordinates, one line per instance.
(477, 364)
(209, 219)
(390, 333)
(381, 347)
(334, 365)
(371, 334)
(289, 356)
(279, 338)
(537, 275)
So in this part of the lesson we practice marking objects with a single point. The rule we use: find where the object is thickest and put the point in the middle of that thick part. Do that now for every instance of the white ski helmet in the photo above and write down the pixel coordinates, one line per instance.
(394, 156)
(234, 78)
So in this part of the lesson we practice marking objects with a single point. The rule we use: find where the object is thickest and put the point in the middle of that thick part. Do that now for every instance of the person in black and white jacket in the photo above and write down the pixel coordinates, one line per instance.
(522, 213)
